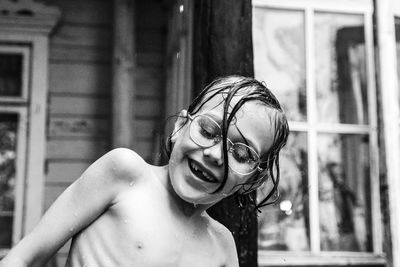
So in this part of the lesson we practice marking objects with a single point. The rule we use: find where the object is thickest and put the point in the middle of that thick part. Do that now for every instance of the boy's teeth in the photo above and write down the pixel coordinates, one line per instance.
(194, 166)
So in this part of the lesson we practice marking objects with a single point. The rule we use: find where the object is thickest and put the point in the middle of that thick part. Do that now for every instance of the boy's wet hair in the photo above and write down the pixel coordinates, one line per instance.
(247, 89)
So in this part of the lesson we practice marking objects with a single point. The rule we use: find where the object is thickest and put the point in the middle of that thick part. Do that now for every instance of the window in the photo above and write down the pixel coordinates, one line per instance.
(24, 29)
(317, 57)
(14, 66)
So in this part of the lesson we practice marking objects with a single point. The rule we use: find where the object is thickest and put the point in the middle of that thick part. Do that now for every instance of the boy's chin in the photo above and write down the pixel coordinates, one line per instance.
(196, 198)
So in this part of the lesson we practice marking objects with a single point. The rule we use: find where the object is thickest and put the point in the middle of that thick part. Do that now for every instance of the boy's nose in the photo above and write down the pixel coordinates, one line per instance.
(214, 154)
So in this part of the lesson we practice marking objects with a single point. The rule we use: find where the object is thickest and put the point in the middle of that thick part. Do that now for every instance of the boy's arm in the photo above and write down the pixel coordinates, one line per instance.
(80, 204)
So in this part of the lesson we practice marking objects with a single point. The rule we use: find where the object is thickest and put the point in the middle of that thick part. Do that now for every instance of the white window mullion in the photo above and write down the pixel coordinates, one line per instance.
(20, 174)
(312, 134)
(373, 140)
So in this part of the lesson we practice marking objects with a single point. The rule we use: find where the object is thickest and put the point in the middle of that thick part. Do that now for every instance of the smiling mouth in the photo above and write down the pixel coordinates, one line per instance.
(200, 173)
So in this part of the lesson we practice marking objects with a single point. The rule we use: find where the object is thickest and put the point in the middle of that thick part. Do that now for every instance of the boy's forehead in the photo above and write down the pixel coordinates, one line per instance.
(216, 103)
(253, 119)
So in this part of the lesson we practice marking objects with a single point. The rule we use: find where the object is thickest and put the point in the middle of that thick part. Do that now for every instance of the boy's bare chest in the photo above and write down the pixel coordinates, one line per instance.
(154, 236)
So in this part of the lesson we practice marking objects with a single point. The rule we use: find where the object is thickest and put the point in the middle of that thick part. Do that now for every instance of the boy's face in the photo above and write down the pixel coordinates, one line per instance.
(196, 171)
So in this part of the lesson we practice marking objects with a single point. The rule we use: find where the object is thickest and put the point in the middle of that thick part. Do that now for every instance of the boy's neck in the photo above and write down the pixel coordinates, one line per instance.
(189, 210)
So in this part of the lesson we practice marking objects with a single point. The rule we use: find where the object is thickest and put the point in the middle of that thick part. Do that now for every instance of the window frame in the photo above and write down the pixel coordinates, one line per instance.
(31, 209)
(312, 127)
(386, 11)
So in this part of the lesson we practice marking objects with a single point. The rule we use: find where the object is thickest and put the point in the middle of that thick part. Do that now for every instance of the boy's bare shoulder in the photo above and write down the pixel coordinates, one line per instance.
(123, 164)
(225, 240)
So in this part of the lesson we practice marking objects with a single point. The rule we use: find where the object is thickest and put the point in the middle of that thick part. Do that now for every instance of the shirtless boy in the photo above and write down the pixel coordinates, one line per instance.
(123, 211)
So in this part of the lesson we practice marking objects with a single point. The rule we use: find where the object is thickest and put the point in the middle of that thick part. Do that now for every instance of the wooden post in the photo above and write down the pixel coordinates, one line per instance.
(387, 80)
(222, 45)
(123, 74)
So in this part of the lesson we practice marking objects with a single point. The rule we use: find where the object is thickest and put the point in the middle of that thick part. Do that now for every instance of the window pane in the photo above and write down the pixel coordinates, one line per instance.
(8, 137)
(285, 226)
(344, 192)
(340, 68)
(278, 39)
(11, 74)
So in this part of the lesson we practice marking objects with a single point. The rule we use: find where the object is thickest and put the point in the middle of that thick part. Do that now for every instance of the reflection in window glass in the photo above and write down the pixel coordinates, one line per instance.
(344, 192)
(11, 74)
(8, 137)
(286, 225)
(279, 46)
(340, 68)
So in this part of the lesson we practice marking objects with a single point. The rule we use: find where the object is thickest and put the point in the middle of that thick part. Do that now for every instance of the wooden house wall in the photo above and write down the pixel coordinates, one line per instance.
(80, 71)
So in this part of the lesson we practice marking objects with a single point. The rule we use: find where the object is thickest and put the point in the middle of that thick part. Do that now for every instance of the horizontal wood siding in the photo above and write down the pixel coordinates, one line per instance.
(80, 69)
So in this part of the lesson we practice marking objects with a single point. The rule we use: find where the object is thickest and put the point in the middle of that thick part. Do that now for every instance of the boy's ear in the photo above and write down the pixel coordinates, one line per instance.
(179, 123)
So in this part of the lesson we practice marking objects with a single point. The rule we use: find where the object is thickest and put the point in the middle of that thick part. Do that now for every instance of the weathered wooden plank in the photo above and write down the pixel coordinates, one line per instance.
(78, 53)
(75, 54)
(146, 129)
(71, 34)
(89, 150)
(65, 171)
(79, 105)
(82, 126)
(86, 105)
(80, 78)
(96, 79)
(77, 34)
(148, 108)
(87, 12)
(77, 149)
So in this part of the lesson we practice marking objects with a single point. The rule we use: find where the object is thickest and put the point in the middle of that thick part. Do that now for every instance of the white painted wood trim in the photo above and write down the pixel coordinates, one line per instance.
(342, 6)
(312, 134)
(396, 8)
(37, 134)
(373, 140)
(332, 128)
(390, 108)
(272, 258)
(20, 174)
